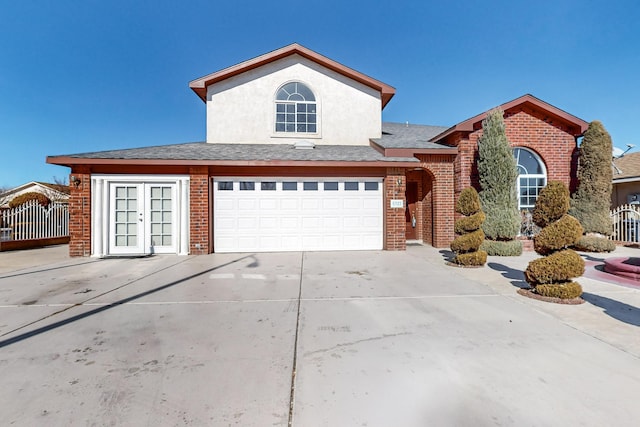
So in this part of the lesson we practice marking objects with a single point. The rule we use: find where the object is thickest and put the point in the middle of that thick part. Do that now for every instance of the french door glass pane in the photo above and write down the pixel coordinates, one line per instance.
(161, 216)
(126, 216)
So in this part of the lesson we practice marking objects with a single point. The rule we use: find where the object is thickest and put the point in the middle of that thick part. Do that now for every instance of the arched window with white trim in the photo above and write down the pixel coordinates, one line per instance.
(532, 177)
(296, 109)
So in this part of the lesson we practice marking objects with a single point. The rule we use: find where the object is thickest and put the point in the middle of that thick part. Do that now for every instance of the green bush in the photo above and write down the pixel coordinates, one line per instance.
(468, 202)
(567, 290)
(467, 242)
(561, 234)
(595, 244)
(590, 203)
(558, 267)
(502, 248)
(476, 258)
(498, 174)
(469, 223)
(27, 197)
(552, 204)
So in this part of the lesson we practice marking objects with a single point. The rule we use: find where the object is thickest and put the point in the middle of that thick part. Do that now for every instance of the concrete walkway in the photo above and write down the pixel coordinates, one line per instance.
(311, 339)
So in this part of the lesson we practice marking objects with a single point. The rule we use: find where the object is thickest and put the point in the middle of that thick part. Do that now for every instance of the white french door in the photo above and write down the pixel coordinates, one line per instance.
(142, 218)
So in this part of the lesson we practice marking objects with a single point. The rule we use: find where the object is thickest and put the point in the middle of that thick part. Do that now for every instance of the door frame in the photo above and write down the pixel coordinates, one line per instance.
(102, 211)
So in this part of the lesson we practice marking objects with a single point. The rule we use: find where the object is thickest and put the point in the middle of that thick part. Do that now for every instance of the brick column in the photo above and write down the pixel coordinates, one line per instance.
(80, 213)
(199, 211)
(394, 219)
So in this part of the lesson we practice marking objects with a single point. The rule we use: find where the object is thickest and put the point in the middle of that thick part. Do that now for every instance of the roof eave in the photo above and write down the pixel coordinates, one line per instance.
(73, 161)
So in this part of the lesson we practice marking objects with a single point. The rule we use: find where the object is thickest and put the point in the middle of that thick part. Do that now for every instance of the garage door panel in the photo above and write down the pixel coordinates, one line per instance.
(318, 218)
(289, 203)
(269, 223)
(270, 203)
(370, 203)
(247, 204)
(225, 204)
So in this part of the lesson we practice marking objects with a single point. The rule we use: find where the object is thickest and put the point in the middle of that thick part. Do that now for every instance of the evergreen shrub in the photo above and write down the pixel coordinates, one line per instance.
(470, 235)
(557, 267)
(27, 197)
(476, 258)
(566, 290)
(550, 276)
(502, 248)
(558, 235)
(553, 206)
(590, 203)
(469, 223)
(498, 173)
(469, 242)
(595, 244)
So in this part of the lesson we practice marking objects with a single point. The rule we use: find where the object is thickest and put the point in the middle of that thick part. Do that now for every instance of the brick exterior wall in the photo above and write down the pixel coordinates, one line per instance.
(80, 215)
(199, 213)
(524, 128)
(394, 218)
(441, 206)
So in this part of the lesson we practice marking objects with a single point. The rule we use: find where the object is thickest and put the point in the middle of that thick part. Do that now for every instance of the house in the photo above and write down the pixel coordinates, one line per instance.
(55, 192)
(296, 157)
(626, 180)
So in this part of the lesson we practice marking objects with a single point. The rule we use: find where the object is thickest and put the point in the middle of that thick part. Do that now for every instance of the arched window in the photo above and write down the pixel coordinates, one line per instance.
(532, 177)
(296, 109)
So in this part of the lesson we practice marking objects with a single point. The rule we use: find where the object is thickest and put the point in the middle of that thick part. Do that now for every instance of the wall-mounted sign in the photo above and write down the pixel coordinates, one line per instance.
(397, 203)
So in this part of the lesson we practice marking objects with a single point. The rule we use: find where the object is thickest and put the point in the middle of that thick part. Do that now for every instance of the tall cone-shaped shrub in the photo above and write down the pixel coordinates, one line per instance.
(468, 228)
(498, 172)
(551, 275)
(590, 203)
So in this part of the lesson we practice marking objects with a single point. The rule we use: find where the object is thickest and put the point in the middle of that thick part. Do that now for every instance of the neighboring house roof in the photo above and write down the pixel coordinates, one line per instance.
(52, 191)
(202, 153)
(626, 168)
(575, 125)
(199, 86)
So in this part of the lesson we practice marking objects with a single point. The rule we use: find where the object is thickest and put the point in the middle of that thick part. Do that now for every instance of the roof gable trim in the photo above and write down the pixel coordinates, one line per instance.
(528, 99)
(199, 86)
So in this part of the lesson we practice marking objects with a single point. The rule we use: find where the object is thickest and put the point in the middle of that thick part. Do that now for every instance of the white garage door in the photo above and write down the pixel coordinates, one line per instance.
(295, 214)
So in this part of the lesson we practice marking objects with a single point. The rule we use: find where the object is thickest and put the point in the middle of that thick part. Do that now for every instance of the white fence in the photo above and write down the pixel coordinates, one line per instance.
(626, 223)
(33, 221)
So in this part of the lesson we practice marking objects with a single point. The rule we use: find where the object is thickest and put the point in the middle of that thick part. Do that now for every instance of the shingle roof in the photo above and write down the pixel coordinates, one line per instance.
(627, 166)
(404, 135)
(243, 152)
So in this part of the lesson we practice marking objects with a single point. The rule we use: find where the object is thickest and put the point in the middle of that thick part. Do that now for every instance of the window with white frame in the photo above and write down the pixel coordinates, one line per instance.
(296, 109)
(532, 177)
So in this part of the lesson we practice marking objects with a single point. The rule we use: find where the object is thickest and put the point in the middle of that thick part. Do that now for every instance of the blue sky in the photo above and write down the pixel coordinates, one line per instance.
(90, 75)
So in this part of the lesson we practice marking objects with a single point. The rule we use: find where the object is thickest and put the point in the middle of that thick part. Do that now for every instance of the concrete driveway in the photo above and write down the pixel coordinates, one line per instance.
(311, 339)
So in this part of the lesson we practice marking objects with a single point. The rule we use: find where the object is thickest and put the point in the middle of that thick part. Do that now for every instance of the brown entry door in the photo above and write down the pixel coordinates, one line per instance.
(410, 211)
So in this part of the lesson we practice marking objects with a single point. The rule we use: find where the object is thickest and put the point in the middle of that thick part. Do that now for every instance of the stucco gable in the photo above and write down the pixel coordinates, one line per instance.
(199, 86)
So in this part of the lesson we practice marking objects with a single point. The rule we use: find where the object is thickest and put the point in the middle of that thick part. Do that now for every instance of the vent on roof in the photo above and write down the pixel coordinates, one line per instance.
(304, 145)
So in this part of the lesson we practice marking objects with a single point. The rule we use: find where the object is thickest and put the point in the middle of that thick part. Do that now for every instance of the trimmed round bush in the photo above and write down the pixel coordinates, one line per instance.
(561, 234)
(502, 248)
(27, 197)
(468, 202)
(595, 244)
(558, 267)
(468, 242)
(476, 258)
(567, 290)
(552, 204)
(470, 223)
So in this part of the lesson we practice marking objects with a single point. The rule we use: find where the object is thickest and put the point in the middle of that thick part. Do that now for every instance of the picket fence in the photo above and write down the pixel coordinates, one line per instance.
(34, 221)
(626, 223)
